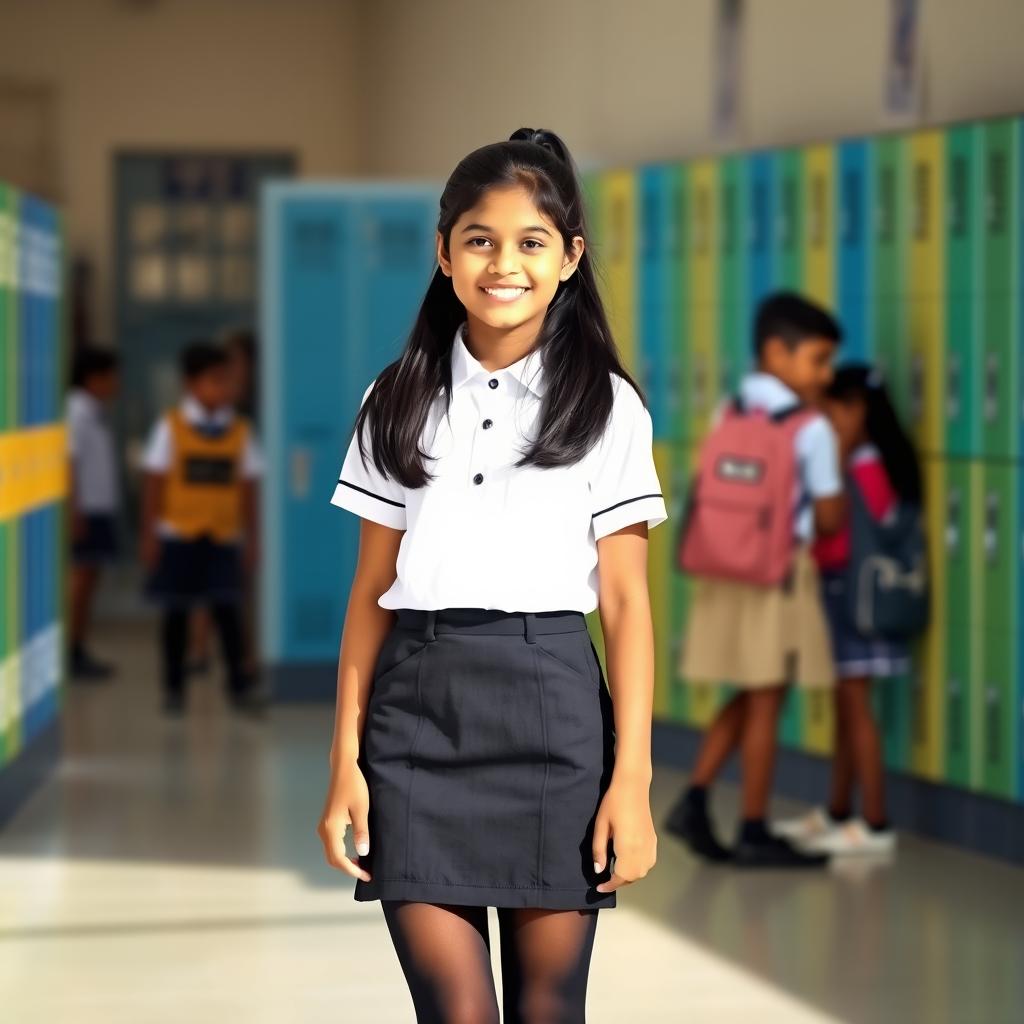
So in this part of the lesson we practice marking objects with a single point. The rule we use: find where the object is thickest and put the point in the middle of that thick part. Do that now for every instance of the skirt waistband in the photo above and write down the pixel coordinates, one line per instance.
(489, 621)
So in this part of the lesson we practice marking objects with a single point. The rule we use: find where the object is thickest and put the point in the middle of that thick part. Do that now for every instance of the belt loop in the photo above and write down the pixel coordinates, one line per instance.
(428, 628)
(528, 620)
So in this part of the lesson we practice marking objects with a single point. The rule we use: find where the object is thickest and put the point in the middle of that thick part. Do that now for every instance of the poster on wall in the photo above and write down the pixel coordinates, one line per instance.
(725, 114)
(904, 72)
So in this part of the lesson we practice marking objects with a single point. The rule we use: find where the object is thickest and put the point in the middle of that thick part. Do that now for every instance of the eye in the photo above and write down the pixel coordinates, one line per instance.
(533, 243)
(472, 243)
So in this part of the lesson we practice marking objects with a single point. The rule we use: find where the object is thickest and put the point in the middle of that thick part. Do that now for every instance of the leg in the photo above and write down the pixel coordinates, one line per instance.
(175, 637)
(721, 739)
(758, 749)
(199, 636)
(865, 747)
(545, 962)
(229, 625)
(841, 799)
(445, 955)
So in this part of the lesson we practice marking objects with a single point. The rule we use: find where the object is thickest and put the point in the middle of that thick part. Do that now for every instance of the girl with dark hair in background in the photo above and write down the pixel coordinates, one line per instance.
(503, 469)
(881, 463)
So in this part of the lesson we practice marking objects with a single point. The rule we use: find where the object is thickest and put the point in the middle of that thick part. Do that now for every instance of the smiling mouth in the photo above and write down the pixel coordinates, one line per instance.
(505, 294)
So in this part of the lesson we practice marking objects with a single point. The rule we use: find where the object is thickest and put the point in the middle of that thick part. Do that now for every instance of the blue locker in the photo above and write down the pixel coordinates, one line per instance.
(852, 267)
(344, 270)
(654, 237)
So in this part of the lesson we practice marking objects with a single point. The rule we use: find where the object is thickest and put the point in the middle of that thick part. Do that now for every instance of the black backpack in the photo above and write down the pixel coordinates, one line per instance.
(889, 588)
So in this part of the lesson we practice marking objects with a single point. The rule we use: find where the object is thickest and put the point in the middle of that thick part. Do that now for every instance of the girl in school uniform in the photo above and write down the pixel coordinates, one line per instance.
(503, 470)
(880, 461)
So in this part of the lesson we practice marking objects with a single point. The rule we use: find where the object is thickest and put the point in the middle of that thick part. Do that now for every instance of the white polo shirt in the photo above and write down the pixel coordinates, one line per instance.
(91, 446)
(484, 534)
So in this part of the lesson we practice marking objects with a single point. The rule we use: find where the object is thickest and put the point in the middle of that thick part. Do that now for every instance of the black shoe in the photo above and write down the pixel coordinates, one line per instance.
(774, 852)
(691, 823)
(174, 704)
(248, 701)
(85, 668)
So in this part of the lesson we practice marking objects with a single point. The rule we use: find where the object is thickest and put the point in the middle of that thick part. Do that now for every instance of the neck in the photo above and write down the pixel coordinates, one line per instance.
(497, 347)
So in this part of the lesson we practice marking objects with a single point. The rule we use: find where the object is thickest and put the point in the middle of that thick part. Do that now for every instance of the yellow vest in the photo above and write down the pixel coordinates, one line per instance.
(203, 490)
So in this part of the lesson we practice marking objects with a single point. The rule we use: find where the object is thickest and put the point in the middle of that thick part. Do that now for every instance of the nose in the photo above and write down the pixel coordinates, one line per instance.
(505, 261)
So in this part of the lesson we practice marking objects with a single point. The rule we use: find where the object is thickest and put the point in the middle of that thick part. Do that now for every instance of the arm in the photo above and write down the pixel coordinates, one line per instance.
(366, 626)
(829, 515)
(152, 501)
(625, 814)
(251, 520)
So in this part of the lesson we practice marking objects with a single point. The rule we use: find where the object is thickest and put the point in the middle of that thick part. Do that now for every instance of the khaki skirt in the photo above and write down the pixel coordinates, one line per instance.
(751, 636)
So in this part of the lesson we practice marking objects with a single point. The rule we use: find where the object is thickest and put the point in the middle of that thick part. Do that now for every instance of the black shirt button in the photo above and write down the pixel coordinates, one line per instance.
(488, 424)
(493, 382)
(479, 478)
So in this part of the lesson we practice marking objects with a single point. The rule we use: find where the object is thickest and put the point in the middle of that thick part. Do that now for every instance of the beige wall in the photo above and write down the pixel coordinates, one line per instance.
(628, 81)
(232, 74)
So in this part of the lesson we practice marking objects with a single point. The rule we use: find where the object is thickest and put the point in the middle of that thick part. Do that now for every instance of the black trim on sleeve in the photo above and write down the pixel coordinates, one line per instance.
(363, 490)
(619, 504)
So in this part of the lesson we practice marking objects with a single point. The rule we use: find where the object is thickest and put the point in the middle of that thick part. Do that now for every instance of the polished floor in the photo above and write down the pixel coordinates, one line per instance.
(170, 871)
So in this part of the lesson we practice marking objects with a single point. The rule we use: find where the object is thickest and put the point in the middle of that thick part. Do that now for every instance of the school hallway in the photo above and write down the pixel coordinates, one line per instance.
(169, 870)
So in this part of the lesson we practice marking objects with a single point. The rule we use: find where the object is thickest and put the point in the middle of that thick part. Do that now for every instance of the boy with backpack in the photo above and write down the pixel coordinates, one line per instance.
(768, 482)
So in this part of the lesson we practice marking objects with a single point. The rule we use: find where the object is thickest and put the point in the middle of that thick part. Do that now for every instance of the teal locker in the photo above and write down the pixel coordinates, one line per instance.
(998, 692)
(734, 330)
(1000, 433)
(963, 235)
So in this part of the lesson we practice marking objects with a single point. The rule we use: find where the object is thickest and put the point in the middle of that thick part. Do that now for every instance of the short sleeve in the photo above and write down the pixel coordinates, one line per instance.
(157, 457)
(364, 490)
(624, 486)
(820, 451)
(252, 457)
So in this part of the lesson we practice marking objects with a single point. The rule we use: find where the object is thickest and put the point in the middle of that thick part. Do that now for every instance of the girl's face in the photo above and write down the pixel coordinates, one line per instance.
(506, 259)
(848, 417)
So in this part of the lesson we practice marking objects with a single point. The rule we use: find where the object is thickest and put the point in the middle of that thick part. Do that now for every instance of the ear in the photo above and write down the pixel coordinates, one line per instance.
(442, 256)
(573, 255)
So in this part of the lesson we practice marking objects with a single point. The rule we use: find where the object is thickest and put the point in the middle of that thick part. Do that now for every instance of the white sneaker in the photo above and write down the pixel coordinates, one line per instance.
(853, 838)
(806, 828)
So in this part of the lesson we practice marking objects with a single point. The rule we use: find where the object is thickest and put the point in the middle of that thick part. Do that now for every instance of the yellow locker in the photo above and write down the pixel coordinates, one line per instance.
(617, 197)
(817, 708)
(928, 741)
(926, 286)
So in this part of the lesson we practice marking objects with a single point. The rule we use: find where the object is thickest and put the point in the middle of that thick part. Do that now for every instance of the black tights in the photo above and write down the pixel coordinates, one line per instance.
(445, 953)
(228, 620)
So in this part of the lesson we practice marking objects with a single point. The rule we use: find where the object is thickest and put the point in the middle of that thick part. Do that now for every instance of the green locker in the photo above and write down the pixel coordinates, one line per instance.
(1000, 295)
(997, 696)
(734, 331)
(963, 235)
(680, 585)
(963, 501)
(679, 343)
(789, 271)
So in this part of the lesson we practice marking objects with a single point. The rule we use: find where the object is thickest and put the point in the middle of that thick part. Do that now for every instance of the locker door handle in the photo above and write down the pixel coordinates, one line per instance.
(298, 473)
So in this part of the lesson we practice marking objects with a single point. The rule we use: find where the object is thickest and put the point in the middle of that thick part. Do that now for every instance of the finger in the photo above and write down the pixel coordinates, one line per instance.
(333, 838)
(360, 829)
(600, 844)
(613, 883)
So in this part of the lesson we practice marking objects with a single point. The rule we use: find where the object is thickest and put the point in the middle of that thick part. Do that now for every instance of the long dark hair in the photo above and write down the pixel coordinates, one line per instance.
(882, 425)
(576, 343)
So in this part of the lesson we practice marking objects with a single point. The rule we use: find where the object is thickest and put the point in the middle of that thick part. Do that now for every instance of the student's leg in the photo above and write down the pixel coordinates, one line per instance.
(198, 638)
(865, 748)
(545, 963)
(720, 740)
(445, 955)
(84, 578)
(228, 619)
(758, 746)
(175, 638)
(840, 802)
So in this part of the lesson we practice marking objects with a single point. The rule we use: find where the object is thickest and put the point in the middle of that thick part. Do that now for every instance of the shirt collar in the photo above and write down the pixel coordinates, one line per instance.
(195, 412)
(529, 370)
(765, 389)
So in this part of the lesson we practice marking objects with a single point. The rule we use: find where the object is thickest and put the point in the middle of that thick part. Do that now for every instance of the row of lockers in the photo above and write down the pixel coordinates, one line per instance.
(32, 468)
(914, 240)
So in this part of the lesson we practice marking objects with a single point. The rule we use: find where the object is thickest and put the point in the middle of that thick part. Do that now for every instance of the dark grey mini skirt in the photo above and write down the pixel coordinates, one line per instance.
(488, 744)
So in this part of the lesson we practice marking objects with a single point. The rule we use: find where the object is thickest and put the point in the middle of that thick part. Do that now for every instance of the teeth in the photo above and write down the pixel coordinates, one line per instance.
(505, 293)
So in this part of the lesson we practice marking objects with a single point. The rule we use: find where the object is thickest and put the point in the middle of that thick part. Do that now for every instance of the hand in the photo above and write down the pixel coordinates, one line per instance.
(625, 817)
(348, 803)
(149, 550)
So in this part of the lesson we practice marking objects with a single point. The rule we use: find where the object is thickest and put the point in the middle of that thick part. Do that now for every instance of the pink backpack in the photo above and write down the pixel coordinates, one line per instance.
(739, 520)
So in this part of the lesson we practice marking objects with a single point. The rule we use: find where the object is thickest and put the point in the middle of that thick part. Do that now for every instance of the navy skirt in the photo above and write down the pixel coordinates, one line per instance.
(191, 572)
(488, 745)
(98, 543)
(857, 655)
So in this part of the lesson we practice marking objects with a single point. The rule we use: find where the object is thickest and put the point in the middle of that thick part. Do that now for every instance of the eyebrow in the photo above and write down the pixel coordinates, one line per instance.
(532, 229)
